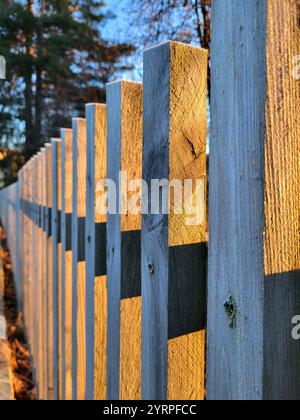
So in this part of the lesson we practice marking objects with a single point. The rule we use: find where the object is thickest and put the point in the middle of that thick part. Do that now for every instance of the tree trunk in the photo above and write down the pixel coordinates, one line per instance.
(29, 124)
(29, 132)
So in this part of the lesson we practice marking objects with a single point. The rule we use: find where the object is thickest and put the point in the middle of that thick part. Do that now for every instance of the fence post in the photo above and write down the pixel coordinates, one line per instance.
(254, 278)
(43, 330)
(24, 265)
(174, 246)
(66, 262)
(95, 246)
(18, 262)
(31, 262)
(55, 163)
(49, 341)
(124, 153)
(38, 277)
(78, 266)
(59, 269)
(20, 241)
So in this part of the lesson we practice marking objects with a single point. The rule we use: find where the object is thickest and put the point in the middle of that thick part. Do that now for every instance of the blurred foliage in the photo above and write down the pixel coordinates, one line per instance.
(56, 62)
(178, 20)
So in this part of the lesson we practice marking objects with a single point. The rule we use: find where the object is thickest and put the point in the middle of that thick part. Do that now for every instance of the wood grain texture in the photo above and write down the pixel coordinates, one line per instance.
(131, 338)
(56, 160)
(253, 167)
(66, 264)
(187, 127)
(59, 270)
(95, 325)
(100, 344)
(81, 331)
(35, 272)
(188, 352)
(78, 268)
(49, 273)
(39, 313)
(30, 262)
(173, 252)
(124, 153)
(282, 148)
(281, 379)
(131, 308)
(32, 266)
(44, 274)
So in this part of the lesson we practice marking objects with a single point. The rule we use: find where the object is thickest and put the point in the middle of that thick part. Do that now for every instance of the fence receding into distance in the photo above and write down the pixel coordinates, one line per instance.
(147, 306)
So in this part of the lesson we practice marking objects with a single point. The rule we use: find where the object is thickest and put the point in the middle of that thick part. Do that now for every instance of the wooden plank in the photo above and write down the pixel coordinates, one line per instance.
(78, 265)
(28, 256)
(49, 343)
(124, 153)
(59, 269)
(95, 246)
(173, 250)
(39, 280)
(254, 173)
(17, 262)
(34, 284)
(282, 168)
(66, 264)
(6, 386)
(55, 163)
(21, 240)
(31, 267)
(43, 274)
(282, 202)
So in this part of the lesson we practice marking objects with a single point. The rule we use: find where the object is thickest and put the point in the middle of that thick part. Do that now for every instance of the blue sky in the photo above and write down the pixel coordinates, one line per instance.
(119, 29)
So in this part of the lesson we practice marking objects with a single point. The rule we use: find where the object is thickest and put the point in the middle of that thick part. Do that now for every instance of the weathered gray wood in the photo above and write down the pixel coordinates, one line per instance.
(90, 249)
(124, 126)
(95, 246)
(173, 254)
(252, 356)
(114, 92)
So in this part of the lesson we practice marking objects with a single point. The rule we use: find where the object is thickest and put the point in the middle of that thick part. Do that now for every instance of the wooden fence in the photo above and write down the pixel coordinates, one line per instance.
(118, 306)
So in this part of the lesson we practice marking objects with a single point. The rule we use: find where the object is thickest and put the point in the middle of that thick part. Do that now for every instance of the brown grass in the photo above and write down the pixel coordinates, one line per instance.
(20, 358)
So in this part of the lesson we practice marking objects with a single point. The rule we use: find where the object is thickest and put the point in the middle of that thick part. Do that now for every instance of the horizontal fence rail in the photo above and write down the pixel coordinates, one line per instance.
(117, 302)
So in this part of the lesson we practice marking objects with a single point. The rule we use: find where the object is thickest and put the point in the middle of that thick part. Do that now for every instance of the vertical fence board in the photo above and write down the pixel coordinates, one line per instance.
(173, 252)
(78, 266)
(39, 246)
(66, 263)
(113, 244)
(59, 268)
(31, 264)
(254, 202)
(95, 246)
(49, 343)
(282, 203)
(35, 265)
(43, 274)
(124, 143)
(56, 153)
(130, 298)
